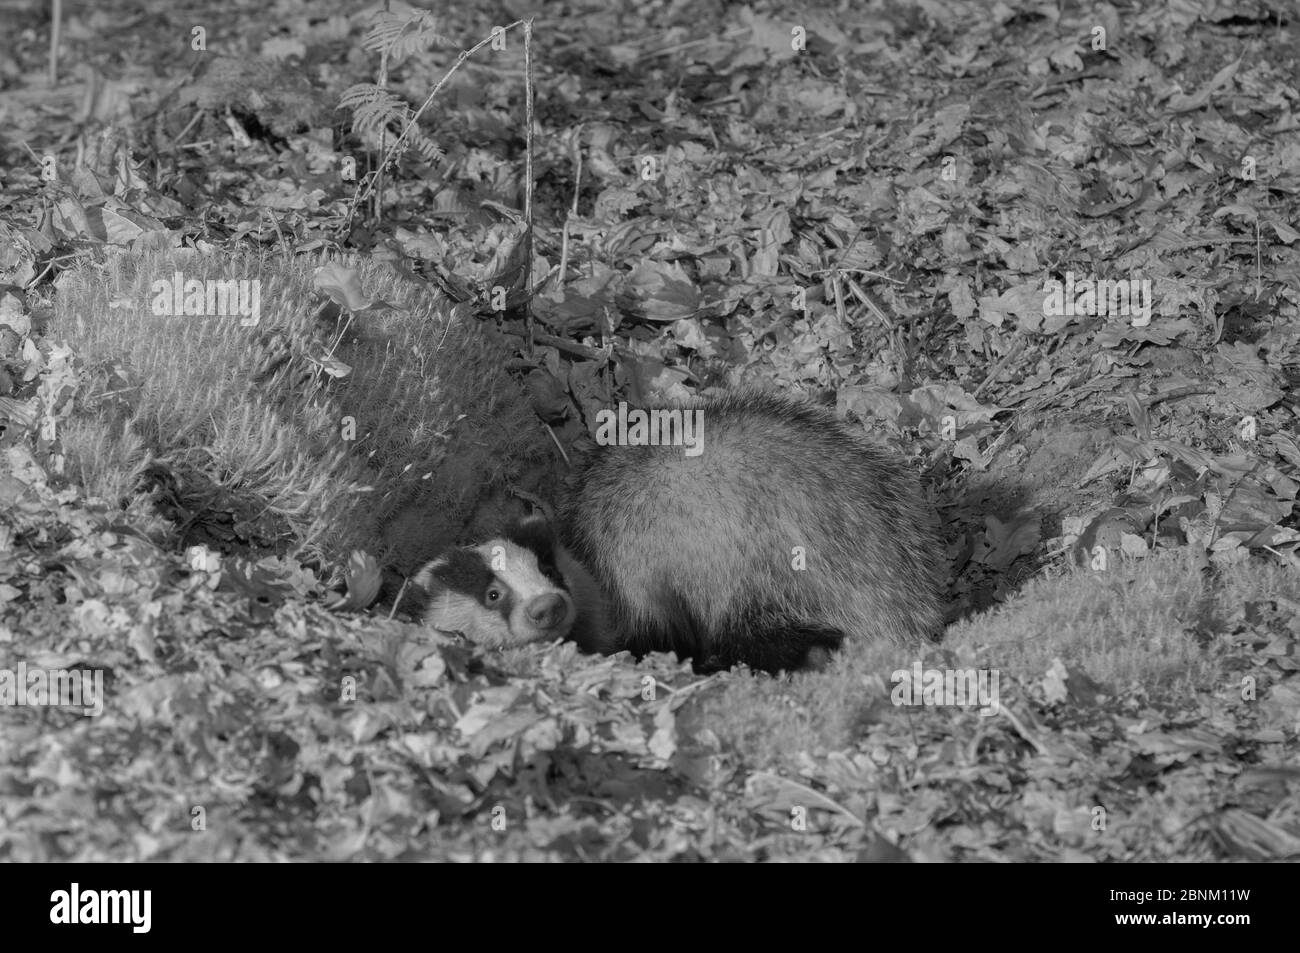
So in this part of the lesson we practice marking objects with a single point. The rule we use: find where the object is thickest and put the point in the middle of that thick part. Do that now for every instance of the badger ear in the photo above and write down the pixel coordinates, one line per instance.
(533, 533)
(424, 577)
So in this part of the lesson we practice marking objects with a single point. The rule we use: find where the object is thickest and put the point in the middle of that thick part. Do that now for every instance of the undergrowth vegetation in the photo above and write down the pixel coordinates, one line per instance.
(882, 207)
(375, 426)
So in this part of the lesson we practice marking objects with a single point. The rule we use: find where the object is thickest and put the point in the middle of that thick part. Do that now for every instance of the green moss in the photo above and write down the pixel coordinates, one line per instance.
(391, 457)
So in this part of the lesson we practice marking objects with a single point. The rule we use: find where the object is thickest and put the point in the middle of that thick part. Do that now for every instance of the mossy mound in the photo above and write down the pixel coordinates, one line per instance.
(317, 429)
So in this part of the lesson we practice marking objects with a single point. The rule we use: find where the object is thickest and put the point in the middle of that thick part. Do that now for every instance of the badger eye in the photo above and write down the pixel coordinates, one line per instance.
(494, 594)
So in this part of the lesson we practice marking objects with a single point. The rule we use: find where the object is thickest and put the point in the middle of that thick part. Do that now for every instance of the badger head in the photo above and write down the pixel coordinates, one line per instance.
(505, 591)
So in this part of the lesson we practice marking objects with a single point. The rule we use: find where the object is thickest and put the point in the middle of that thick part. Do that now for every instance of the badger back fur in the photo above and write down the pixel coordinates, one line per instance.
(512, 589)
(697, 554)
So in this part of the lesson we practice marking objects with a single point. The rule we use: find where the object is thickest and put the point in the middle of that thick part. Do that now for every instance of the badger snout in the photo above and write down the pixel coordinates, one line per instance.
(548, 611)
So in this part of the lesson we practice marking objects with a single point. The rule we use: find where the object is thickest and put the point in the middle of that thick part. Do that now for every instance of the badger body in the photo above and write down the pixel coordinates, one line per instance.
(518, 587)
(784, 534)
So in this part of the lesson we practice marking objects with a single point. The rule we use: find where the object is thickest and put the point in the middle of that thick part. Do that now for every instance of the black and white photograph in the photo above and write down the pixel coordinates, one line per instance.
(661, 431)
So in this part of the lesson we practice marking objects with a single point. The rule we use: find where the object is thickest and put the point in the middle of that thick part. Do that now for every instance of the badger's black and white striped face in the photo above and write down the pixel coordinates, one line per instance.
(506, 591)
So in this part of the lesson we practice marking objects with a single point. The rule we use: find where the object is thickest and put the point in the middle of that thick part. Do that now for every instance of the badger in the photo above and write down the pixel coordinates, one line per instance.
(517, 587)
(767, 538)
